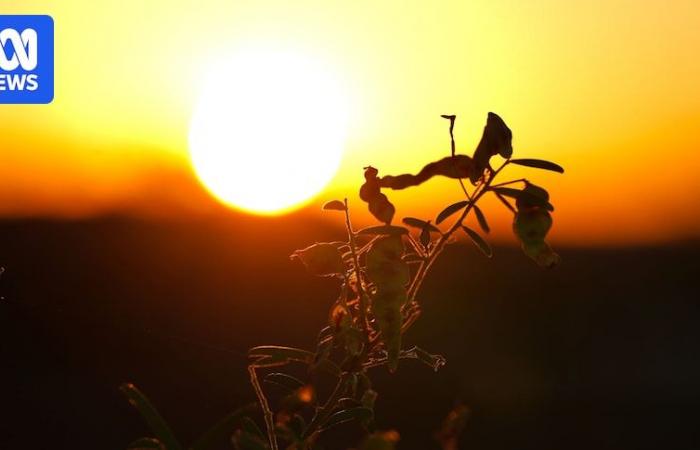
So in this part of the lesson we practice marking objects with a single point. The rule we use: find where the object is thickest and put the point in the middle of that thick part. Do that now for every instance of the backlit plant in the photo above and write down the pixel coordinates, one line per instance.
(380, 270)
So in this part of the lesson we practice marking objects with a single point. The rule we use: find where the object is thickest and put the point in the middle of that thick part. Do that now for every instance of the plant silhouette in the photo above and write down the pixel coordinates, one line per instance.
(380, 270)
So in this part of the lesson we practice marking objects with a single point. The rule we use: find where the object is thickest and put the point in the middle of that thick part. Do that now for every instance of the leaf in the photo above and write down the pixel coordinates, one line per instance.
(425, 237)
(482, 219)
(478, 241)
(496, 139)
(155, 421)
(420, 224)
(323, 259)
(283, 380)
(453, 208)
(524, 196)
(223, 428)
(278, 353)
(146, 444)
(246, 441)
(249, 426)
(539, 164)
(359, 413)
(383, 230)
(334, 205)
(434, 361)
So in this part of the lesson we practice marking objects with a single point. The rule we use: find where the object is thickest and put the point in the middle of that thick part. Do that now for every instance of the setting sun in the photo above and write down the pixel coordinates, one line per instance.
(268, 130)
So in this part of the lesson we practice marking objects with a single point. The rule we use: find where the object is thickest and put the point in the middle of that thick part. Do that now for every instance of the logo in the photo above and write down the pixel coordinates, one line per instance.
(26, 59)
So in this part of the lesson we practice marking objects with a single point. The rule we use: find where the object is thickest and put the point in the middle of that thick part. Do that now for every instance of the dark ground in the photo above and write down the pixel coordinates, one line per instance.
(601, 353)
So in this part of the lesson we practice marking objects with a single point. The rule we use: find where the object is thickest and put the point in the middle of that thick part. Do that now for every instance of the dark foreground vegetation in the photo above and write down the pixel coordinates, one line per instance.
(599, 353)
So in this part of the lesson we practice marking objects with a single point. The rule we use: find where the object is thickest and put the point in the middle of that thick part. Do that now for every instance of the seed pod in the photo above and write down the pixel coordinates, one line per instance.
(542, 253)
(322, 259)
(531, 225)
(386, 307)
(379, 204)
(458, 166)
(524, 201)
(385, 266)
(382, 209)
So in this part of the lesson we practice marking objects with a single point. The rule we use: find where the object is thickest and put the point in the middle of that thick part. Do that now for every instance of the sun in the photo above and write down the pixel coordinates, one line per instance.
(268, 130)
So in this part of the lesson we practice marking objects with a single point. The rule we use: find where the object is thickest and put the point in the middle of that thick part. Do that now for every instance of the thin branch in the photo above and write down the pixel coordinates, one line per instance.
(267, 412)
(358, 274)
(425, 266)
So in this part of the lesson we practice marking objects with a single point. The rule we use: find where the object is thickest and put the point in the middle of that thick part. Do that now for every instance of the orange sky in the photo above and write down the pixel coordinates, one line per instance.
(608, 89)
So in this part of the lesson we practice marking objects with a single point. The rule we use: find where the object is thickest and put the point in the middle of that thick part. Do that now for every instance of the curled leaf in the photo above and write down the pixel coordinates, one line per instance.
(334, 205)
(323, 259)
(539, 164)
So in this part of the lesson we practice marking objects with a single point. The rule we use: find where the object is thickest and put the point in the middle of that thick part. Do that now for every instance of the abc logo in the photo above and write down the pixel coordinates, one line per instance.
(26, 59)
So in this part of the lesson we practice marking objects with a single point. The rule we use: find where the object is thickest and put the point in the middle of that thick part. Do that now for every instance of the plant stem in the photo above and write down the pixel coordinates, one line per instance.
(267, 412)
(358, 275)
(425, 266)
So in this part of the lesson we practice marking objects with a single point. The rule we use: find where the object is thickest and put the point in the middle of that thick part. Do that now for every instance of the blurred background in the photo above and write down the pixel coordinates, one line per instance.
(119, 266)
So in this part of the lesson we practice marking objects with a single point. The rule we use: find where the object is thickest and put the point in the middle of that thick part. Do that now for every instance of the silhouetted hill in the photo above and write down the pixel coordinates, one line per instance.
(600, 353)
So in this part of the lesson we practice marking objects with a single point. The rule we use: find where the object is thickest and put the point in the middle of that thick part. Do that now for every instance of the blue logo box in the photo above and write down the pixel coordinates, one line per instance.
(26, 59)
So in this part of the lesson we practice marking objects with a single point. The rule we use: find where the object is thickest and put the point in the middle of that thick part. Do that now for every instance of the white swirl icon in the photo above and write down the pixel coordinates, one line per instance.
(24, 49)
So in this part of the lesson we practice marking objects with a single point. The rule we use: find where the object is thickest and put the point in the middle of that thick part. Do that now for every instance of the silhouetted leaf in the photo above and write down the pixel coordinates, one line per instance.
(425, 237)
(360, 413)
(246, 441)
(453, 208)
(280, 353)
(249, 426)
(496, 139)
(146, 444)
(539, 164)
(482, 219)
(283, 380)
(222, 429)
(524, 196)
(383, 230)
(334, 205)
(478, 241)
(323, 259)
(149, 413)
(434, 361)
(420, 224)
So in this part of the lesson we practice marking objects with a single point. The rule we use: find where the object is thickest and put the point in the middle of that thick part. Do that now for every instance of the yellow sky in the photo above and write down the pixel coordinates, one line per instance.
(609, 89)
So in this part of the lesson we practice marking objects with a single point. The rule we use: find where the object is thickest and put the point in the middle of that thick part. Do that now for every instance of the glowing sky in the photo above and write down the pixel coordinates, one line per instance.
(609, 89)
